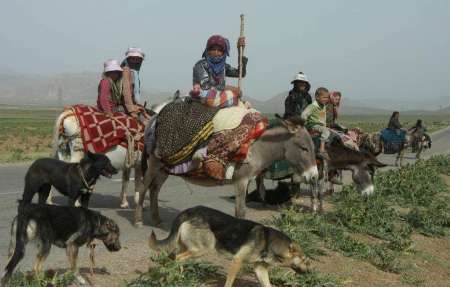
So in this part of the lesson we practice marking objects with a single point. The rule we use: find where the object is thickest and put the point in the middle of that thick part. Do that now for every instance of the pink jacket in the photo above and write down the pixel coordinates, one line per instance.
(104, 100)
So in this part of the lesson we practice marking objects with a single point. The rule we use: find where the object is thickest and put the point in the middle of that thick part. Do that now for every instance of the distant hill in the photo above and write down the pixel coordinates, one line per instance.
(70, 88)
(58, 90)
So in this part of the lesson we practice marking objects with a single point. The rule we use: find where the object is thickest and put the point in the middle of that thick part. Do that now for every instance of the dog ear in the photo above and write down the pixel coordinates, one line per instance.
(294, 248)
(90, 155)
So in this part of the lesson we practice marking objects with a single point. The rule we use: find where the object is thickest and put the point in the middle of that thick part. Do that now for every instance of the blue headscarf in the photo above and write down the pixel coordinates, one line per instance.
(216, 65)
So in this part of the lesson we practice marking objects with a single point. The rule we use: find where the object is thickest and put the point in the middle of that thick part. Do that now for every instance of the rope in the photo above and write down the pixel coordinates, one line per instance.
(131, 155)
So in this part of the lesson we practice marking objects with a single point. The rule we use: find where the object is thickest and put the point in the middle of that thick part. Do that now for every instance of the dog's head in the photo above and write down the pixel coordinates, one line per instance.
(101, 164)
(109, 233)
(287, 253)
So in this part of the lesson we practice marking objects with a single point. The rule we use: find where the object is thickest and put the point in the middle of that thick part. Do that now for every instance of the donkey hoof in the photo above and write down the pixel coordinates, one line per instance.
(124, 205)
(138, 224)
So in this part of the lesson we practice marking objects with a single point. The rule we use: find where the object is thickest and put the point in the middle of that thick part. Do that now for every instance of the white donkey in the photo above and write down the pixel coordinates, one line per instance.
(68, 146)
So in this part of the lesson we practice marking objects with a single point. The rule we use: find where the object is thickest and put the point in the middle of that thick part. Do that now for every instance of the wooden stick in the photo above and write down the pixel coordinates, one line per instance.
(241, 53)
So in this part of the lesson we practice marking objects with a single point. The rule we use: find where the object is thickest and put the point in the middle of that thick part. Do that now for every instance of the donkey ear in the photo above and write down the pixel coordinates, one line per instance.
(292, 128)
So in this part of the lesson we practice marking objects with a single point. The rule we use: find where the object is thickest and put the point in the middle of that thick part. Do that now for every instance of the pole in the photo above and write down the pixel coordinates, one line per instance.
(241, 53)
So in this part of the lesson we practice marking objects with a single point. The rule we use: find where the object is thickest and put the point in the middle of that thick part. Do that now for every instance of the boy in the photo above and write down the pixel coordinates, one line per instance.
(315, 116)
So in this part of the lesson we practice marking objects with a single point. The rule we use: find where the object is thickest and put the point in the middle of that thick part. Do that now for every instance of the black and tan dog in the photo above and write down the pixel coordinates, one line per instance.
(74, 180)
(64, 226)
(200, 229)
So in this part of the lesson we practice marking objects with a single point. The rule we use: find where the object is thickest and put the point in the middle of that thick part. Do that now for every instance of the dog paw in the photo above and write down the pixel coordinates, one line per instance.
(80, 280)
(138, 224)
(124, 205)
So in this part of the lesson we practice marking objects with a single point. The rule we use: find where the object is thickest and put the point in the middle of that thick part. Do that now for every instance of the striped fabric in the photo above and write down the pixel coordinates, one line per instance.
(216, 98)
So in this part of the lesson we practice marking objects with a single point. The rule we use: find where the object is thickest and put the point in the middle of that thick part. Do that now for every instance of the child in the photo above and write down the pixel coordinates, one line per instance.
(315, 117)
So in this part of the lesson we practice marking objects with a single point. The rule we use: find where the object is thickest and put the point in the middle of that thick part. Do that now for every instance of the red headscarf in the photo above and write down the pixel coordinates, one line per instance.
(220, 41)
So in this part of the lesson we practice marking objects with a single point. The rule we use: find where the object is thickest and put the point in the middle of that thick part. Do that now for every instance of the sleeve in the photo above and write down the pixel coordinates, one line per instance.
(307, 112)
(200, 76)
(234, 72)
(288, 107)
(216, 98)
(104, 96)
(128, 90)
(309, 99)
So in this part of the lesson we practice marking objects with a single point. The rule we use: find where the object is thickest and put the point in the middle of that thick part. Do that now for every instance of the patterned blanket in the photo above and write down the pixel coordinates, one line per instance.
(100, 133)
(182, 127)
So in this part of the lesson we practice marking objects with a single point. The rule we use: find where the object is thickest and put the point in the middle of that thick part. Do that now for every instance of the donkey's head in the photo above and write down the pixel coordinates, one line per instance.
(363, 173)
(299, 150)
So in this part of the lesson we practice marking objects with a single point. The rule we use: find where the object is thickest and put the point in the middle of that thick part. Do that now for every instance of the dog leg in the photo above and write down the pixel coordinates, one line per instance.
(262, 274)
(235, 266)
(183, 256)
(84, 199)
(44, 192)
(72, 256)
(43, 252)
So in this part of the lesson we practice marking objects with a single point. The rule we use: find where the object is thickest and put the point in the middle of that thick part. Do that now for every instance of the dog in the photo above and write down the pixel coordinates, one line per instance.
(63, 226)
(74, 180)
(200, 229)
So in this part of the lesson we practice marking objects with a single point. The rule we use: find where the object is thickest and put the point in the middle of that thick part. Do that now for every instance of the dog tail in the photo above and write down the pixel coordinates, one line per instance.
(168, 244)
(19, 249)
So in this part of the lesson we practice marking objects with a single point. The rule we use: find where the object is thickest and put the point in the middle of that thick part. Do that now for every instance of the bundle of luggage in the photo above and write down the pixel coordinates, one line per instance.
(193, 139)
(393, 140)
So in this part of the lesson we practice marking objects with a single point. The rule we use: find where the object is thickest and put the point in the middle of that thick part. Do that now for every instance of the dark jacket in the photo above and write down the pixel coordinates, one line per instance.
(394, 124)
(295, 103)
(203, 77)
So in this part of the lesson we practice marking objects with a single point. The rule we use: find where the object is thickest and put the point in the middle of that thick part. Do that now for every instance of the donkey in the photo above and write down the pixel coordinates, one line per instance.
(417, 141)
(361, 164)
(68, 146)
(289, 141)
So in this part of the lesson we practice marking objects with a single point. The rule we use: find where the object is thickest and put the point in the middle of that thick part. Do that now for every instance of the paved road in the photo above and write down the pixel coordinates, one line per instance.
(176, 195)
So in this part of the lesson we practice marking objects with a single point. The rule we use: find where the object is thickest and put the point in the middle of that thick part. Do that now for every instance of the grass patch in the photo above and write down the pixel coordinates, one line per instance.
(170, 273)
(284, 277)
(50, 279)
(432, 220)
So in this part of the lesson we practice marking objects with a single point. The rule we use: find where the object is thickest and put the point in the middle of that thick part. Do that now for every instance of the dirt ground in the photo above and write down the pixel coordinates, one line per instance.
(429, 261)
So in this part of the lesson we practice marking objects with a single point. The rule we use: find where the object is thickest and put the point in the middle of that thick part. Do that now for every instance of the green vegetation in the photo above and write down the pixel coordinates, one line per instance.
(50, 279)
(170, 273)
(25, 133)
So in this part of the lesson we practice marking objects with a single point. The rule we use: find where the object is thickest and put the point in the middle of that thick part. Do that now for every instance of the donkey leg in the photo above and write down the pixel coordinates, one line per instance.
(261, 188)
(155, 187)
(314, 186)
(240, 189)
(142, 190)
(138, 180)
(125, 181)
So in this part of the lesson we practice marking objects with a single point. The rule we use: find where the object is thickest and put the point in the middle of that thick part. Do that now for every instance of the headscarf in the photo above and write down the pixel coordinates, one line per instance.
(333, 96)
(216, 65)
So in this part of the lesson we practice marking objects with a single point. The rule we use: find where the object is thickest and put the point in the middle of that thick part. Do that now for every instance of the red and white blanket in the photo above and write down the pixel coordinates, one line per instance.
(100, 132)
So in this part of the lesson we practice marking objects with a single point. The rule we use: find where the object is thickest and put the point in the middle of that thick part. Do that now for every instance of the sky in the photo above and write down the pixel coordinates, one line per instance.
(366, 49)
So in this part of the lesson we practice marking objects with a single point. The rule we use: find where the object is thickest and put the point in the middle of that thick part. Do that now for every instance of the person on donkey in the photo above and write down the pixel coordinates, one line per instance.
(210, 72)
(298, 98)
(210, 88)
(131, 80)
(315, 117)
(419, 130)
(110, 89)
